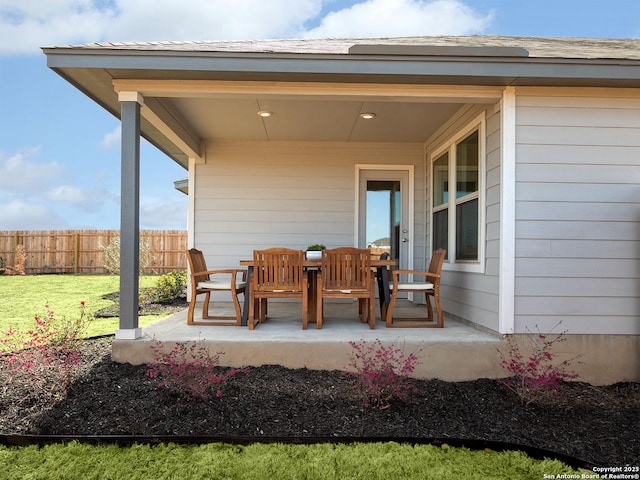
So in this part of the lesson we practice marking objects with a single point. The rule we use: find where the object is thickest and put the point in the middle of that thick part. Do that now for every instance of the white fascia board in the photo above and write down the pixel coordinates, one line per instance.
(327, 90)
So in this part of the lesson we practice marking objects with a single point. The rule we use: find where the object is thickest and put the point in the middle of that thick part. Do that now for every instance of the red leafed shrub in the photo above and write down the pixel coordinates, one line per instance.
(45, 358)
(189, 369)
(381, 373)
(539, 374)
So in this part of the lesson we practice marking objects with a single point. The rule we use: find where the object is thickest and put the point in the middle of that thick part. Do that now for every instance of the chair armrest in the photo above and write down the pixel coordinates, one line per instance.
(397, 273)
(227, 271)
(414, 272)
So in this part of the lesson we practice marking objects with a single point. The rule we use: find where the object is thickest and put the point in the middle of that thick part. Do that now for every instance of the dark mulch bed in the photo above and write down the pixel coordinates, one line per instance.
(146, 306)
(598, 425)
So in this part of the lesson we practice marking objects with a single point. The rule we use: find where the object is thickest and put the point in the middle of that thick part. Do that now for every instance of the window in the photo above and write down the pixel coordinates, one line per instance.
(457, 197)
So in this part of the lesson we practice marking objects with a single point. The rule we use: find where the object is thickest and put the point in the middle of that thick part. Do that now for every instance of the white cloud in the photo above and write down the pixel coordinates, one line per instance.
(26, 25)
(111, 139)
(160, 214)
(379, 18)
(19, 173)
(210, 20)
(67, 193)
(21, 215)
(84, 200)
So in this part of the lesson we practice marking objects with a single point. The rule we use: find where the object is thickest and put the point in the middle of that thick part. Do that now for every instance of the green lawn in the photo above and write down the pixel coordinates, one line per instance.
(370, 461)
(21, 297)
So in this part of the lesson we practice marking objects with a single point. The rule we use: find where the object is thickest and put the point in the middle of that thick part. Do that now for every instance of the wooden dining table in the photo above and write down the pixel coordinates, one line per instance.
(312, 267)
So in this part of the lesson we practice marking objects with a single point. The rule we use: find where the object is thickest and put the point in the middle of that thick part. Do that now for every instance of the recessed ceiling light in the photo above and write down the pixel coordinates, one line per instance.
(264, 113)
(367, 115)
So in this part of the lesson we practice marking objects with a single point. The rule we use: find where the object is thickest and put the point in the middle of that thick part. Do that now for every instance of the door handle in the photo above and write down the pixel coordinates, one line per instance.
(404, 240)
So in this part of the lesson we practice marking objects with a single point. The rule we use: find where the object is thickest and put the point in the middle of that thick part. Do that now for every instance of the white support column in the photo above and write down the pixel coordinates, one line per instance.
(507, 212)
(130, 216)
(191, 218)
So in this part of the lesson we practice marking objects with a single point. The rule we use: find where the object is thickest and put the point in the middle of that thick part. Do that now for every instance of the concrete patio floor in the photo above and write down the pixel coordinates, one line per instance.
(456, 352)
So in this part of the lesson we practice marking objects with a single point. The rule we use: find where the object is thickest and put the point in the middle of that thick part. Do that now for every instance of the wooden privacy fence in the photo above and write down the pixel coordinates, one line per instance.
(81, 251)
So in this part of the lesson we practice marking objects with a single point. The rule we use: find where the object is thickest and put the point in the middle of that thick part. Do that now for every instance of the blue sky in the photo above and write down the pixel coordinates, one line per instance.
(60, 152)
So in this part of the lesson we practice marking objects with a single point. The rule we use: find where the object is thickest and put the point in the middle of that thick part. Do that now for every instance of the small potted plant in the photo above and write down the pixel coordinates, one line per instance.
(314, 252)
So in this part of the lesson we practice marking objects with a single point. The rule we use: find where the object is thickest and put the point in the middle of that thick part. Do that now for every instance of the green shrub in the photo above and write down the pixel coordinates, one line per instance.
(169, 287)
(112, 255)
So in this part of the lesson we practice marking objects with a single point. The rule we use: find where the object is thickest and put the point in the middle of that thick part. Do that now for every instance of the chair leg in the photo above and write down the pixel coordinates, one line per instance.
(363, 310)
(440, 323)
(417, 322)
(372, 312)
(263, 310)
(305, 311)
(319, 312)
(205, 305)
(251, 318)
(192, 307)
(389, 314)
(429, 307)
(236, 304)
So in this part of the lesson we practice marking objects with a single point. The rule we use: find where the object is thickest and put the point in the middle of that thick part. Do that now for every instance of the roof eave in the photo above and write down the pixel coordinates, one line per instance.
(93, 70)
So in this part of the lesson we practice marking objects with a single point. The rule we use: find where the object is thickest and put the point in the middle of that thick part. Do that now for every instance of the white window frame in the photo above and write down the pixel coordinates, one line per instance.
(449, 145)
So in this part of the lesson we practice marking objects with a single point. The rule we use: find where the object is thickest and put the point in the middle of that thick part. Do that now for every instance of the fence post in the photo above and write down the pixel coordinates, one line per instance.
(76, 253)
(16, 239)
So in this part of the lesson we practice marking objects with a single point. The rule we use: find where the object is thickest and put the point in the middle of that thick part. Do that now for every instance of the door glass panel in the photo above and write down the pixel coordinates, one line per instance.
(383, 217)
(467, 166)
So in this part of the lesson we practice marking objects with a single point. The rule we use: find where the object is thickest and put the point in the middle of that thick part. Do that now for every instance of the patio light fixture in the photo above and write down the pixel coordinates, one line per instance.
(264, 113)
(367, 115)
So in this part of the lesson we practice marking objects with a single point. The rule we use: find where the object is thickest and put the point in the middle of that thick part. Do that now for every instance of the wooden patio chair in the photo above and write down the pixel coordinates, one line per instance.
(207, 281)
(346, 273)
(277, 273)
(431, 288)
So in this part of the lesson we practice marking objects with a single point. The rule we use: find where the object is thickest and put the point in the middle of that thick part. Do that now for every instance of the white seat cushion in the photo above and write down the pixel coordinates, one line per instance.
(347, 291)
(413, 286)
(220, 284)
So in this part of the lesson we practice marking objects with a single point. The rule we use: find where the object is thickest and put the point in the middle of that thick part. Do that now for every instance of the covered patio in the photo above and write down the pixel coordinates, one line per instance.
(455, 353)
(496, 149)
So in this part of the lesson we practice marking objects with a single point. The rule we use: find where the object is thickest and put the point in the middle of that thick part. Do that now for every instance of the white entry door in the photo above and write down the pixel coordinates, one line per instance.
(384, 212)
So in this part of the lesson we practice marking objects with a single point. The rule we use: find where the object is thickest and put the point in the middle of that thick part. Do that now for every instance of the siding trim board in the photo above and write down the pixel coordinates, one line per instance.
(507, 212)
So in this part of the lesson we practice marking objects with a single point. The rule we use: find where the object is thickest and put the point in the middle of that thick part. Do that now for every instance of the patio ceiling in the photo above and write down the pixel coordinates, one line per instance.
(312, 120)
(194, 112)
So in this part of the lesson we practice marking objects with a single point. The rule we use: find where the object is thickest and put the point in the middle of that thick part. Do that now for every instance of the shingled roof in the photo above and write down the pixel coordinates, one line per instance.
(536, 47)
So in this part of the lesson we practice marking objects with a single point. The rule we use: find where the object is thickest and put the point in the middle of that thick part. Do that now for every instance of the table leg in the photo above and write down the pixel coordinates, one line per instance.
(247, 298)
(383, 291)
(313, 293)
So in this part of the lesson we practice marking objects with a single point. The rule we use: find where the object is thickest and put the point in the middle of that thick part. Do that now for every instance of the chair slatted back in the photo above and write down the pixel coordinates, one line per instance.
(435, 266)
(346, 268)
(278, 269)
(197, 264)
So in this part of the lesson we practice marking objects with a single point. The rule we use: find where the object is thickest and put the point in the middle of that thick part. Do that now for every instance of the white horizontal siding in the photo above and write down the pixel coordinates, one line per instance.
(579, 154)
(285, 194)
(578, 210)
(578, 248)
